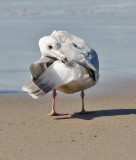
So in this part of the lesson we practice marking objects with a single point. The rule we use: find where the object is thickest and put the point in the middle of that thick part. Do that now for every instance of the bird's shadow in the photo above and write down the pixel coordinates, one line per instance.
(100, 113)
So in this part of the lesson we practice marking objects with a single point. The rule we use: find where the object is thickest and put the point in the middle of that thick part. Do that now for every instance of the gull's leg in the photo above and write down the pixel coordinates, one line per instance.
(83, 109)
(53, 112)
(82, 97)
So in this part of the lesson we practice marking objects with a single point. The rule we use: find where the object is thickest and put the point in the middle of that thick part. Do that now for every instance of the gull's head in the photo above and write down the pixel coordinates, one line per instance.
(51, 47)
(48, 45)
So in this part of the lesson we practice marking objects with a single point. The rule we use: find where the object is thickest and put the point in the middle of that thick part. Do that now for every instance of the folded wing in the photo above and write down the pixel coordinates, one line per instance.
(92, 62)
(45, 79)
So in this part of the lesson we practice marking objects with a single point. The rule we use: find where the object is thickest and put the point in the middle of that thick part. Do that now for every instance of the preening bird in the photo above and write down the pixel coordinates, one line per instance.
(67, 64)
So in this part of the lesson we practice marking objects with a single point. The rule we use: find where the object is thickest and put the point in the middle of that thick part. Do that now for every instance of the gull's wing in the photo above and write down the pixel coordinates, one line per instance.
(56, 75)
(91, 58)
(40, 66)
(81, 48)
(33, 90)
(36, 70)
(45, 79)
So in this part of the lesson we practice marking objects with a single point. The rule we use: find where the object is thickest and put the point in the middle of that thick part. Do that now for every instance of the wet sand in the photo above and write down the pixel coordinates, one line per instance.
(108, 131)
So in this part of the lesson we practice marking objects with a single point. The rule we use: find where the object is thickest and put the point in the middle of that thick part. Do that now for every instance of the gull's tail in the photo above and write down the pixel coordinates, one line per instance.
(33, 90)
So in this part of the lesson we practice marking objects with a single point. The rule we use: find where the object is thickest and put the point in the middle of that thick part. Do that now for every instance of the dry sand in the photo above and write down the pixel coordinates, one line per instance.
(27, 133)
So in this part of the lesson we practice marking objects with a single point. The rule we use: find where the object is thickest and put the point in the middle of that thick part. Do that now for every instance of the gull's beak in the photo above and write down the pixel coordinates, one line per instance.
(60, 56)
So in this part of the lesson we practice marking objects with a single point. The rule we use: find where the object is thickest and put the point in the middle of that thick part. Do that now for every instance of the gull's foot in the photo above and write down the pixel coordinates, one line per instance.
(56, 114)
(84, 112)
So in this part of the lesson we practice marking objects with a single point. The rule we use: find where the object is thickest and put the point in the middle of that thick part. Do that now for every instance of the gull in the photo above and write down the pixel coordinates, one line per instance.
(67, 64)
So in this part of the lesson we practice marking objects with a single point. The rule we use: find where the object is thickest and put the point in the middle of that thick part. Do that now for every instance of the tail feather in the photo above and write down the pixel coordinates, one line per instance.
(33, 90)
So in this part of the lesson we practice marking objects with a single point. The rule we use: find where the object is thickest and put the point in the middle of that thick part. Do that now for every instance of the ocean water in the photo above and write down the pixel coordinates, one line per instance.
(107, 26)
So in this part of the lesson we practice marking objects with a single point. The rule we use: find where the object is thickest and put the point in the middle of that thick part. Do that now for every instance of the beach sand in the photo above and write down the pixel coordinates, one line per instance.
(107, 133)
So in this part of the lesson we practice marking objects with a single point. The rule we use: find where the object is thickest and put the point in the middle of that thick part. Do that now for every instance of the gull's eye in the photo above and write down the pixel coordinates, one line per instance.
(50, 47)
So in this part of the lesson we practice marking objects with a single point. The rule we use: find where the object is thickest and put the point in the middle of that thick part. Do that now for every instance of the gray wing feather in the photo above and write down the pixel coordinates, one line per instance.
(33, 90)
(48, 78)
(37, 69)
(40, 66)
(56, 75)
(93, 62)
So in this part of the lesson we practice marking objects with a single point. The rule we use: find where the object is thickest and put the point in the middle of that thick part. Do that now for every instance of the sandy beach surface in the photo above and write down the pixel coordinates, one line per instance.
(107, 133)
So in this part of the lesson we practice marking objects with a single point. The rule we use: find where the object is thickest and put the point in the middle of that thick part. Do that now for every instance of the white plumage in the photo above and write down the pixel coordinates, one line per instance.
(67, 64)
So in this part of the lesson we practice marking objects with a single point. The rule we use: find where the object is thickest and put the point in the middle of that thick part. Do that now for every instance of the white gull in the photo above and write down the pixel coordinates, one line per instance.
(67, 64)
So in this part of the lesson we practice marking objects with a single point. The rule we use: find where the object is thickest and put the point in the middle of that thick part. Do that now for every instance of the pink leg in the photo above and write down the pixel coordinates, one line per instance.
(83, 110)
(53, 112)
(82, 96)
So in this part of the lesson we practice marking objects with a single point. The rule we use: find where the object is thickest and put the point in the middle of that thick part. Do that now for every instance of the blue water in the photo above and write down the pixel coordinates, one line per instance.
(108, 26)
